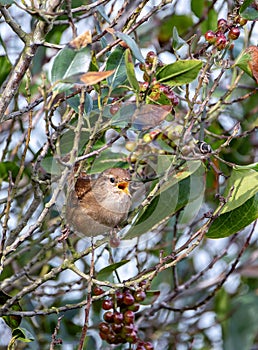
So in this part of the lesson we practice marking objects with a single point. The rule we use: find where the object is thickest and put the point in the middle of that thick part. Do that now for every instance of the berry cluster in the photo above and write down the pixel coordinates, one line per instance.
(150, 86)
(218, 38)
(118, 326)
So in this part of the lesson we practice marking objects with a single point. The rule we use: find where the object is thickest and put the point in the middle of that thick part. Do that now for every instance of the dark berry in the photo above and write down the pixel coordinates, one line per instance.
(114, 242)
(118, 317)
(104, 327)
(97, 290)
(240, 20)
(107, 304)
(222, 24)
(131, 337)
(111, 338)
(117, 328)
(142, 67)
(129, 317)
(148, 346)
(139, 295)
(140, 347)
(103, 336)
(210, 36)
(108, 316)
(114, 109)
(221, 42)
(150, 57)
(119, 297)
(128, 299)
(234, 33)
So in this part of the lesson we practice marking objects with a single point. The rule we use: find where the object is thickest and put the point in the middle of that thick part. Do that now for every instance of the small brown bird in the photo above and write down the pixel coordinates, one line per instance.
(95, 206)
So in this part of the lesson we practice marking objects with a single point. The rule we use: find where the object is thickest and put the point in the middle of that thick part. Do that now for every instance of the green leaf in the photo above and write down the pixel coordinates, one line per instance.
(210, 21)
(116, 61)
(179, 73)
(133, 46)
(13, 321)
(248, 10)
(68, 65)
(129, 64)
(22, 334)
(241, 327)
(177, 41)
(197, 7)
(176, 193)
(231, 222)
(181, 22)
(245, 182)
(7, 168)
(6, 2)
(242, 62)
(106, 273)
(5, 68)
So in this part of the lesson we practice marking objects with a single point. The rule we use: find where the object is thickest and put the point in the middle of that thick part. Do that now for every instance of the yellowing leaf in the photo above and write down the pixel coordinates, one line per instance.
(81, 41)
(91, 78)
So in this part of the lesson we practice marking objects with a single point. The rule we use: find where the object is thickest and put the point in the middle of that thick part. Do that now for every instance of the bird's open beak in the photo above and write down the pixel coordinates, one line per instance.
(124, 186)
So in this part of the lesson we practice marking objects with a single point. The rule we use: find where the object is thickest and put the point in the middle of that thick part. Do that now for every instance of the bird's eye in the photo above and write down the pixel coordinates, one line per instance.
(112, 179)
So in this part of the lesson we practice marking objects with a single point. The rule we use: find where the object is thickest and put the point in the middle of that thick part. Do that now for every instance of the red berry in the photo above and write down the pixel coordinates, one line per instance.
(131, 337)
(117, 328)
(234, 33)
(129, 317)
(222, 24)
(107, 304)
(97, 290)
(139, 295)
(128, 299)
(119, 297)
(114, 109)
(111, 338)
(240, 20)
(148, 346)
(104, 327)
(210, 36)
(103, 336)
(109, 316)
(118, 317)
(150, 57)
(221, 42)
(142, 67)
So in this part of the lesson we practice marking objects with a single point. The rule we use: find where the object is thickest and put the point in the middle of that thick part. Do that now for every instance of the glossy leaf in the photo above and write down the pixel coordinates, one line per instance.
(232, 222)
(245, 182)
(248, 62)
(116, 62)
(179, 73)
(106, 273)
(249, 10)
(133, 46)
(22, 334)
(168, 201)
(129, 64)
(69, 63)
